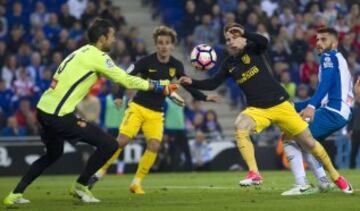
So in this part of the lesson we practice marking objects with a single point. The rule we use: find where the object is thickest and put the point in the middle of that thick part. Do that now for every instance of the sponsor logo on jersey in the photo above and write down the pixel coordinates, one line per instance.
(248, 74)
(172, 71)
(328, 63)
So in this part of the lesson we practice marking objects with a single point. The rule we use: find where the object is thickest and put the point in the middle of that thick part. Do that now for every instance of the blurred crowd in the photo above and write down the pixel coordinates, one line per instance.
(35, 36)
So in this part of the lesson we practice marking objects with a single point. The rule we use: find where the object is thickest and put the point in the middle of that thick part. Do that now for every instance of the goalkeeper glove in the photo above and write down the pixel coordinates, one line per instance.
(163, 86)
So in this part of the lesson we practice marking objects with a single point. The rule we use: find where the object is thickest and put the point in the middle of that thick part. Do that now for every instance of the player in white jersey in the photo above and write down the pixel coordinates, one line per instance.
(328, 110)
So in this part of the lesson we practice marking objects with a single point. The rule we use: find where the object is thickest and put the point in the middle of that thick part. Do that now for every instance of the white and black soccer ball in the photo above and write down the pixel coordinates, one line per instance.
(203, 57)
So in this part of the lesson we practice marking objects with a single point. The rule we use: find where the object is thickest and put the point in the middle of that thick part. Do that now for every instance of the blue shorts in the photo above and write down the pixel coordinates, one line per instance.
(325, 122)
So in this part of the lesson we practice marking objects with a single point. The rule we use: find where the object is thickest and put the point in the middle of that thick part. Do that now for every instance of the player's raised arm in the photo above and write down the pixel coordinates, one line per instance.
(255, 41)
(258, 42)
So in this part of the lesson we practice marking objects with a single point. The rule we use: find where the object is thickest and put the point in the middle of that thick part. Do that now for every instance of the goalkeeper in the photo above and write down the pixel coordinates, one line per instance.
(55, 110)
(146, 110)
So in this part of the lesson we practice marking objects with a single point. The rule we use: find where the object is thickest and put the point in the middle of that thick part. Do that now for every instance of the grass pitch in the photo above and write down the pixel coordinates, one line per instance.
(184, 191)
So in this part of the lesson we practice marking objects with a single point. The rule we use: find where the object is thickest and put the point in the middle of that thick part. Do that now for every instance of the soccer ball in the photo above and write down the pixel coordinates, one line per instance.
(203, 57)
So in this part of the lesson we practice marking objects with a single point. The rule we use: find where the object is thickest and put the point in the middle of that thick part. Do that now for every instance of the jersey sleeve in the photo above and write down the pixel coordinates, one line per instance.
(258, 43)
(328, 65)
(213, 82)
(133, 69)
(196, 94)
(105, 66)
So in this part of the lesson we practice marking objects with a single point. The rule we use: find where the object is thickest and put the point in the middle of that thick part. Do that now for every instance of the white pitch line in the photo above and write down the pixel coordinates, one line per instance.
(192, 187)
(222, 188)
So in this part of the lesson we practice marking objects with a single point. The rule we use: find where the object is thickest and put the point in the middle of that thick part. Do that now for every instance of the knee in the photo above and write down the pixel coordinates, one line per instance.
(114, 146)
(242, 127)
(153, 145)
(123, 140)
(110, 147)
(311, 144)
(243, 123)
(56, 154)
(242, 131)
(306, 140)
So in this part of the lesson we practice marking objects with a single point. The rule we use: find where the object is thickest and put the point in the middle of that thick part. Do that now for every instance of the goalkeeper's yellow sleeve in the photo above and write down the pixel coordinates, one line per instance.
(107, 67)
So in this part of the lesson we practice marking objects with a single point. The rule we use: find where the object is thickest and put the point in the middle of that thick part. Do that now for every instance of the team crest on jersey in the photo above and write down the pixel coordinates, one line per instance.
(246, 59)
(109, 63)
(172, 71)
(328, 63)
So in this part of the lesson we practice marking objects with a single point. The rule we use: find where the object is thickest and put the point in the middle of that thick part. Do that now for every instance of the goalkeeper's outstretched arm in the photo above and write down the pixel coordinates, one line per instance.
(118, 75)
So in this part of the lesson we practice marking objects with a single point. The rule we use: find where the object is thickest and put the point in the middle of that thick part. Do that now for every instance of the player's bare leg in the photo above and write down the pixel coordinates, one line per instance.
(123, 140)
(244, 126)
(306, 140)
(145, 164)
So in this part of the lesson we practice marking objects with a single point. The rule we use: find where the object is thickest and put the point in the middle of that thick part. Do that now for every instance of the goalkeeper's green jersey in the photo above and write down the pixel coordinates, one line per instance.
(75, 76)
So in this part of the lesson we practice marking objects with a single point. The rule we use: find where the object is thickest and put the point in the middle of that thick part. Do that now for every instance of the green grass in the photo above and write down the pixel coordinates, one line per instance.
(184, 191)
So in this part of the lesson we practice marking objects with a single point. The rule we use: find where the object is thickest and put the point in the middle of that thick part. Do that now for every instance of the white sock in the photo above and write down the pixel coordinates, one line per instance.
(120, 167)
(295, 158)
(315, 167)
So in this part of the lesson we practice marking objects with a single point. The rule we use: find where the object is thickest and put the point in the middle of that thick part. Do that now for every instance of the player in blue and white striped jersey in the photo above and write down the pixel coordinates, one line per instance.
(328, 110)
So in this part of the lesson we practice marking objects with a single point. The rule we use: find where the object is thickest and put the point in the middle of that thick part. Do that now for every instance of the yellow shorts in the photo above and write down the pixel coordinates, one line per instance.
(283, 115)
(136, 116)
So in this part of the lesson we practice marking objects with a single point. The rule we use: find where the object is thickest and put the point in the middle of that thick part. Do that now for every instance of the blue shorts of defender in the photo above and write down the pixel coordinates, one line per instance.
(325, 122)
